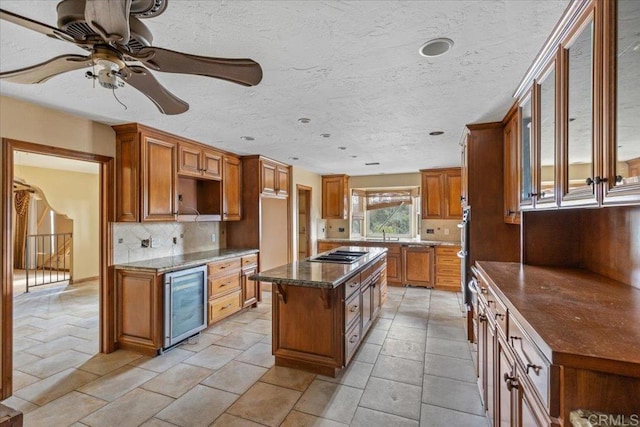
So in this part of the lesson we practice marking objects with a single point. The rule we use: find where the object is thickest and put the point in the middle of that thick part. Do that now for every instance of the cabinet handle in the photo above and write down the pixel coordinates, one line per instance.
(619, 178)
(353, 339)
(489, 302)
(511, 381)
(510, 212)
(543, 194)
(533, 194)
(589, 181)
(354, 309)
(482, 317)
(598, 180)
(536, 368)
(501, 316)
(226, 306)
(353, 284)
(513, 338)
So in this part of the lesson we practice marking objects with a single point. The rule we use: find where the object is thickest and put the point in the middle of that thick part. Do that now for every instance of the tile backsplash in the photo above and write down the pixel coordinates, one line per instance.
(444, 230)
(190, 237)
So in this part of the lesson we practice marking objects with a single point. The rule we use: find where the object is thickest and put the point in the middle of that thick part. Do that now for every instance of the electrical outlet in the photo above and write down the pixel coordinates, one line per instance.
(175, 240)
(145, 243)
(179, 197)
(430, 231)
(121, 240)
(213, 238)
(446, 231)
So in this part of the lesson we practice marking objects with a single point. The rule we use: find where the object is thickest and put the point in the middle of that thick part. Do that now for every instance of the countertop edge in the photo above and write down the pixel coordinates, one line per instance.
(355, 242)
(199, 258)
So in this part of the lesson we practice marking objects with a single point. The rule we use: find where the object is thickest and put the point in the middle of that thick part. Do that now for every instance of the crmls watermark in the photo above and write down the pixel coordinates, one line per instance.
(614, 420)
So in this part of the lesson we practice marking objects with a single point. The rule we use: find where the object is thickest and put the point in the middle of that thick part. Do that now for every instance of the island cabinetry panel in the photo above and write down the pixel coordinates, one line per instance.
(225, 292)
(139, 311)
(335, 197)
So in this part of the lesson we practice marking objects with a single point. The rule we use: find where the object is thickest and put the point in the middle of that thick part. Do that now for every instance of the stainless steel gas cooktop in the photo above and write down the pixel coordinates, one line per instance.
(339, 257)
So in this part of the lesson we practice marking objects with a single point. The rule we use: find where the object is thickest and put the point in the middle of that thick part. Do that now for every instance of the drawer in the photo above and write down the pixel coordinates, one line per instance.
(448, 270)
(448, 262)
(249, 260)
(498, 312)
(222, 307)
(351, 309)
(223, 267)
(536, 366)
(224, 284)
(351, 285)
(446, 280)
(351, 341)
(447, 251)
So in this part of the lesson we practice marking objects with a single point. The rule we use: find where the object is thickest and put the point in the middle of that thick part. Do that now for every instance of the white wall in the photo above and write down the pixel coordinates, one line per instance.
(76, 195)
(309, 179)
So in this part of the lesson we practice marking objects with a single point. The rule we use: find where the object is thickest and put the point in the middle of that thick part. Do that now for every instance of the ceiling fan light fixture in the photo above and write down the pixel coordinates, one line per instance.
(436, 133)
(436, 47)
(247, 138)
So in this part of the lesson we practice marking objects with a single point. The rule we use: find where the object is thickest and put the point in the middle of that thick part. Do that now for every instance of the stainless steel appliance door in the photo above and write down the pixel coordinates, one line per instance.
(185, 304)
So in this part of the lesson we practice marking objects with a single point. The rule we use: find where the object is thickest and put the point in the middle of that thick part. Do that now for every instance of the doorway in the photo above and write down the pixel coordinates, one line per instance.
(105, 214)
(304, 221)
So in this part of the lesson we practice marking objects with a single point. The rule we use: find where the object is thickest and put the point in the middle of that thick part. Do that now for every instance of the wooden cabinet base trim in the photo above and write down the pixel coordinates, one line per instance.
(328, 371)
(145, 350)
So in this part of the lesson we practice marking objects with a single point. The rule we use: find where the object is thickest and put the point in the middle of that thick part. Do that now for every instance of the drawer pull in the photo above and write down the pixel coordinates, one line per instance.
(354, 309)
(353, 284)
(225, 284)
(353, 339)
(513, 338)
(511, 381)
(226, 306)
(489, 302)
(482, 318)
(536, 368)
(501, 316)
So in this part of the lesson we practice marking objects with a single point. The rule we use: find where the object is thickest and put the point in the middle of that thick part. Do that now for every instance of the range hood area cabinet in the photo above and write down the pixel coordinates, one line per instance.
(164, 177)
(335, 196)
(441, 193)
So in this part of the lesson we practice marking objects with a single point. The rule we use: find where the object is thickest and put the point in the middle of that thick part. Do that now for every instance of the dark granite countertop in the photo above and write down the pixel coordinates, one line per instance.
(179, 262)
(319, 274)
(575, 316)
(356, 241)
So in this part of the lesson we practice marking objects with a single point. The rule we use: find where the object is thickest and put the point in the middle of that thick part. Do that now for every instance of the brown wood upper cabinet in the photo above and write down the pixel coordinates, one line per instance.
(146, 179)
(579, 102)
(511, 169)
(198, 161)
(441, 193)
(231, 189)
(274, 178)
(335, 196)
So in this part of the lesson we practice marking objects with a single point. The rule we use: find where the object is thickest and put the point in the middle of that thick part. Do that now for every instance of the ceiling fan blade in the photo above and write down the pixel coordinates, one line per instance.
(242, 71)
(44, 71)
(41, 28)
(109, 18)
(142, 79)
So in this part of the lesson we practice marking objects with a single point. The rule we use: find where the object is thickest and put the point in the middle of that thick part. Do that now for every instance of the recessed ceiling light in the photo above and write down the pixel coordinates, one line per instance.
(247, 138)
(436, 47)
(342, 148)
(436, 133)
(372, 164)
(325, 135)
(304, 120)
(294, 158)
(354, 157)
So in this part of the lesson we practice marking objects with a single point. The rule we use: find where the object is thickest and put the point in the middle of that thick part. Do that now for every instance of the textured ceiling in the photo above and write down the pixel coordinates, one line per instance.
(351, 67)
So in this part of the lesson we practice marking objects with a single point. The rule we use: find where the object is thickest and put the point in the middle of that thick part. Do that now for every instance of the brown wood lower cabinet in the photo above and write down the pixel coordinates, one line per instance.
(319, 329)
(526, 381)
(417, 265)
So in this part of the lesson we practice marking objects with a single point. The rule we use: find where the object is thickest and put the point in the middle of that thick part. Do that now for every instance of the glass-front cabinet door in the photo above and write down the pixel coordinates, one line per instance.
(621, 145)
(579, 138)
(525, 153)
(546, 148)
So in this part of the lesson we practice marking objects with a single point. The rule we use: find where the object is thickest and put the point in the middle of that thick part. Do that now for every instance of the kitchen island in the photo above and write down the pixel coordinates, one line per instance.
(322, 310)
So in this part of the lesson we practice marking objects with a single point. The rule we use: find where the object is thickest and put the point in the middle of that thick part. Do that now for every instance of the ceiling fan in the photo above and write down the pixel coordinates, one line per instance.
(119, 45)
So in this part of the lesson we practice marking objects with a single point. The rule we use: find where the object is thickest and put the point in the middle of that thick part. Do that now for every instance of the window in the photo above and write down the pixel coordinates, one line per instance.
(385, 212)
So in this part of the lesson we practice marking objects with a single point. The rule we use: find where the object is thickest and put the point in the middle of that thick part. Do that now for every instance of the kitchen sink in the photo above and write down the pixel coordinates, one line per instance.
(339, 257)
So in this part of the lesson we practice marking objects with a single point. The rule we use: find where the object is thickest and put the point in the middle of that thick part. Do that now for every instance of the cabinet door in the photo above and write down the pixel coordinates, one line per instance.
(211, 164)
(394, 272)
(482, 354)
(506, 382)
(511, 172)
(525, 153)
(139, 309)
(249, 287)
(189, 160)
(453, 185)
(334, 192)
(232, 190)
(491, 367)
(546, 147)
(159, 180)
(282, 180)
(268, 179)
(417, 265)
(367, 309)
(432, 195)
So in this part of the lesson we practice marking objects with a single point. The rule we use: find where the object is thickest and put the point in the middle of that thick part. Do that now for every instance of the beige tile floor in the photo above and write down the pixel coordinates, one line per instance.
(414, 369)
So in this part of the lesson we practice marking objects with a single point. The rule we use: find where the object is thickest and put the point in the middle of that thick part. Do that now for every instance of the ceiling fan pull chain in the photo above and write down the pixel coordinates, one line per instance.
(113, 90)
